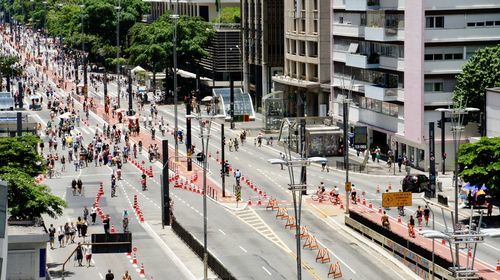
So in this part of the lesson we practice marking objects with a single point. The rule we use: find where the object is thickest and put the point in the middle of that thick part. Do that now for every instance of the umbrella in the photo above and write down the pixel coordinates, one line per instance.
(207, 98)
(66, 115)
(468, 187)
(484, 188)
(119, 110)
(481, 192)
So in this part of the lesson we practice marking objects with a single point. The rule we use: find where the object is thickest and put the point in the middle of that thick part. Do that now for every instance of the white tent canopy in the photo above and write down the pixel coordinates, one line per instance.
(138, 69)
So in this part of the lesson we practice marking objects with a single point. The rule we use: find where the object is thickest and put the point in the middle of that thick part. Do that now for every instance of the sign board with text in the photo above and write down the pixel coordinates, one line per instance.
(394, 199)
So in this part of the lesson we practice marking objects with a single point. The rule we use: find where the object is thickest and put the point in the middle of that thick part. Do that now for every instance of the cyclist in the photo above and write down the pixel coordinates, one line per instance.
(385, 221)
(237, 175)
(143, 182)
(418, 214)
(411, 227)
(353, 195)
(321, 188)
(113, 185)
(335, 193)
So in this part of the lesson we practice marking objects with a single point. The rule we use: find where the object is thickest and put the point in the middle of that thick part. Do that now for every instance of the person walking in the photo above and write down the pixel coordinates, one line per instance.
(85, 213)
(427, 213)
(110, 275)
(126, 276)
(88, 254)
(73, 186)
(52, 235)
(93, 213)
(60, 236)
(84, 229)
(411, 227)
(79, 185)
(79, 222)
(79, 254)
(106, 222)
(418, 214)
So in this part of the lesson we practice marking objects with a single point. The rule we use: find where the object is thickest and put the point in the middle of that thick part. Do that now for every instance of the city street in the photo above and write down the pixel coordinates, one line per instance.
(248, 239)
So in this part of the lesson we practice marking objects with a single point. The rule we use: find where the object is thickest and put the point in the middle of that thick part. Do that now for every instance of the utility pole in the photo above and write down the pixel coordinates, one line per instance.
(443, 152)
(176, 123)
(345, 105)
(118, 10)
(165, 186)
(188, 134)
(231, 98)
(130, 109)
(223, 160)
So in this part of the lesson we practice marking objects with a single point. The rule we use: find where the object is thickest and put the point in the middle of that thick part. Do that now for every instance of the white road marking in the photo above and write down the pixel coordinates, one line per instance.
(100, 275)
(222, 231)
(243, 249)
(266, 270)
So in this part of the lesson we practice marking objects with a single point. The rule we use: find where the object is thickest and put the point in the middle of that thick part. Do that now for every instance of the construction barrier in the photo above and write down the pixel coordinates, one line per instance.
(282, 213)
(272, 204)
(334, 271)
(310, 243)
(323, 256)
(304, 232)
(290, 223)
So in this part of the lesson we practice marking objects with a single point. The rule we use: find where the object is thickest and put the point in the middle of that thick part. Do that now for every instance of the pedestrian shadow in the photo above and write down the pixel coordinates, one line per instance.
(55, 271)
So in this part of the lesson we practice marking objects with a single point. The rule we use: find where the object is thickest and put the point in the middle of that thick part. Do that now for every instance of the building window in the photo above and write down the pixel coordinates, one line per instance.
(433, 86)
(434, 22)
(302, 48)
(315, 26)
(313, 49)
(303, 26)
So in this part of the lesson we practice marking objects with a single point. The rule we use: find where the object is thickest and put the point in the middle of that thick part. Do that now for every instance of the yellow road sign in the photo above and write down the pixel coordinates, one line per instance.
(348, 186)
(394, 199)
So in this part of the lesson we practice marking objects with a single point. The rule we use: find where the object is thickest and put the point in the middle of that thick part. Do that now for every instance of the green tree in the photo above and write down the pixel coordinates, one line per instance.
(19, 164)
(20, 153)
(28, 200)
(9, 68)
(480, 163)
(480, 72)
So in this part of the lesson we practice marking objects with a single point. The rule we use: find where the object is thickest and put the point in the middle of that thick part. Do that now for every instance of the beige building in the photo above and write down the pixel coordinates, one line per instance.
(305, 81)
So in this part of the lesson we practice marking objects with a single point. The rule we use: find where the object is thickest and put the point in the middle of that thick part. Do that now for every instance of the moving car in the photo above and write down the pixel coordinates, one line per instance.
(415, 183)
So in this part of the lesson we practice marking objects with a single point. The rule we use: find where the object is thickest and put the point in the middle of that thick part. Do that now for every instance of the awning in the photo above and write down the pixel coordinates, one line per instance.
(353, 48)
(138, 69)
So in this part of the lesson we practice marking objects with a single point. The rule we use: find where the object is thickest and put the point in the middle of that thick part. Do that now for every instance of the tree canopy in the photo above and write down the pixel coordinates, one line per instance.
(480, 72)
(480, 163)
(19, 163)
(151, 45)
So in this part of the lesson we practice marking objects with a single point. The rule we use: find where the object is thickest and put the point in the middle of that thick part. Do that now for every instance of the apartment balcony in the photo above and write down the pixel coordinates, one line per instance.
(349, 30)
(292, 81)
(381, 93)
(375, 119)
(382, 34)
(461, 4)
(472, 34)
(339, 56)
(362, 5)
(362, 61)
(444, 66)
(438, 98)
(392, 63)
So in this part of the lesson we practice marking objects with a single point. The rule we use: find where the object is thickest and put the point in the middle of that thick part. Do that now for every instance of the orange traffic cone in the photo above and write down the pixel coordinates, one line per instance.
(142, 270)
(370, 205)
(134, 260)
(498, 265)
(113, 229)
(443, 242)
(249, 202)
(399, 219)
(259, 203)
(380, 210)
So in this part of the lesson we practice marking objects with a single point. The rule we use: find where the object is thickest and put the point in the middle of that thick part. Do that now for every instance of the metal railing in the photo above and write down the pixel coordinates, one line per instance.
(195, 245)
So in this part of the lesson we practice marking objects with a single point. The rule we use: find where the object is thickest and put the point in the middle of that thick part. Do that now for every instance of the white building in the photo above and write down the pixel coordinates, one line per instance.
(493, 112)
(399, 58)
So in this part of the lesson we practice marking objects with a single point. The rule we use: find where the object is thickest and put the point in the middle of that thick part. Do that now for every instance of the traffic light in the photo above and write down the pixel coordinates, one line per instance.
(439, 124)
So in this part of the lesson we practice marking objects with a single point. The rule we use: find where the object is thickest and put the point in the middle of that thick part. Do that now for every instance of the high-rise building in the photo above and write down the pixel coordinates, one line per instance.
(397, 61)
(305, 82)
(263, 41)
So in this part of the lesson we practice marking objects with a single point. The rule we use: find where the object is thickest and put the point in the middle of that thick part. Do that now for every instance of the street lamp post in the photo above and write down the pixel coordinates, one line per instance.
(118, 10)
(84, 57)
(205, 122)
(457, 117)
(175, 17)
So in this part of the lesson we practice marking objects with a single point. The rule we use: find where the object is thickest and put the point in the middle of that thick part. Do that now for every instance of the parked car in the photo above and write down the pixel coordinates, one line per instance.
(415, 183)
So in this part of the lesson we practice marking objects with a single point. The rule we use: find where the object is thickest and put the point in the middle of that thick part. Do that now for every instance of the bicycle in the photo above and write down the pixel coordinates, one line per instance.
(318, 195)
